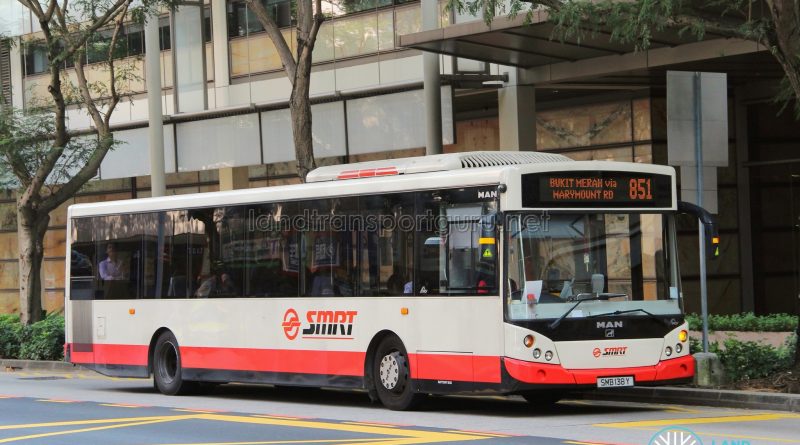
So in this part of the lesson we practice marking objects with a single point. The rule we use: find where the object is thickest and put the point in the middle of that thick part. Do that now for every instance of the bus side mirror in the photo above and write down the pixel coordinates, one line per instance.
(709, 227)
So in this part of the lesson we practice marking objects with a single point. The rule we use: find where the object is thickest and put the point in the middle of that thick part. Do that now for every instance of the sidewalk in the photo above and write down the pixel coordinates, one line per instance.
(662, 394)
(697, 396)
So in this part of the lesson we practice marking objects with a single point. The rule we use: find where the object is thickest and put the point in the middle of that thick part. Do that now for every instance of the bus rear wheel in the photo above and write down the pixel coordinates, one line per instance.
(392, 376)
(167, 375)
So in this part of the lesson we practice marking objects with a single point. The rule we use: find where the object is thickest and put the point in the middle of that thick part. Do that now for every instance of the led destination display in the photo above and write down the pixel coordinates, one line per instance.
(596, 189)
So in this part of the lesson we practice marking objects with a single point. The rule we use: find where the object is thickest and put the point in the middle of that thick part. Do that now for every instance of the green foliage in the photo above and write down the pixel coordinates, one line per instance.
(10, 330)
(751, 360)
(747, 360)
(746, 322)
(43, 340)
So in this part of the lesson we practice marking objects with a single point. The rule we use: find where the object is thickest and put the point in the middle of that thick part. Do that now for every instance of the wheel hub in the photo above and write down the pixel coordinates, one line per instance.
(390, 370)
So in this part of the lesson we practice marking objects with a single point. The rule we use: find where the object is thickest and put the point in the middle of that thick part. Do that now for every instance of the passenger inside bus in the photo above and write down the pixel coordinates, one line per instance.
(113, 272)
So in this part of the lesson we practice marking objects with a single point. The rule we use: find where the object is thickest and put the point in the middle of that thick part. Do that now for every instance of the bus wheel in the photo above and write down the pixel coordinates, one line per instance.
(393, 377)
(167, 376)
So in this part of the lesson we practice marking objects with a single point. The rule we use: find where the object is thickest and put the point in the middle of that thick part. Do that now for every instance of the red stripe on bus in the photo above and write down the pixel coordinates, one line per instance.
(461, 368)
(529, 372)
(104, 354)
(275, 360)
(451, 367)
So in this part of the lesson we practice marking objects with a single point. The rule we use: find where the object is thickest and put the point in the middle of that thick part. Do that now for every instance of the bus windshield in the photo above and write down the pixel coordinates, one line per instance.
(619, 262)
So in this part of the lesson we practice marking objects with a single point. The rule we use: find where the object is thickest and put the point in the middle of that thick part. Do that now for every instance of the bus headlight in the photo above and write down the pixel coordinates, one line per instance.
(537, 353)
(548, 355)
(668, 351)
(683, 336)
(678, 348)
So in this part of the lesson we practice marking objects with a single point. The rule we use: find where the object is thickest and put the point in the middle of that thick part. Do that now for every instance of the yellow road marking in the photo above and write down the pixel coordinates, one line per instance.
(270, 416)
(698, 420)
(278, 442)
(91, 422)
(479, 433)
(96, 428)
(390, 434)
(407, 437)
(56, 401)
(198, 411)
(384, 425)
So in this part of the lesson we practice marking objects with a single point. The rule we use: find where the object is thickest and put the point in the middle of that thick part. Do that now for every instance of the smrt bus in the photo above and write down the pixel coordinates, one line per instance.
(509, 273)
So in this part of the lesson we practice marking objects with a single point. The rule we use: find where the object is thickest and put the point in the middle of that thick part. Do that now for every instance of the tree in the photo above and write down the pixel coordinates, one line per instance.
(309, 19)
(775, 24)
(47, 160)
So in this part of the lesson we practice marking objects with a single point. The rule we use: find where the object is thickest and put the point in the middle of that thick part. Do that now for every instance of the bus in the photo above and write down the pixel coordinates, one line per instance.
(485, 272)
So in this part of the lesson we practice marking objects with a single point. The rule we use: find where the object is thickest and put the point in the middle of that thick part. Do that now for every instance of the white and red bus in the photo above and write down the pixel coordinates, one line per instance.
(513, 273)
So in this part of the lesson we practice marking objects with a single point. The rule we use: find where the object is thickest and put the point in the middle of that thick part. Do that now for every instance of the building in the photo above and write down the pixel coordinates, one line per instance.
(507, 86)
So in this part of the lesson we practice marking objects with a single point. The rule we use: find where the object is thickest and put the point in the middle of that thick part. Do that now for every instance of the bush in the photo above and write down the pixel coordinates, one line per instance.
(10, 330)
(745, 322)
(43, 340)
(751, 360)
(746, 360)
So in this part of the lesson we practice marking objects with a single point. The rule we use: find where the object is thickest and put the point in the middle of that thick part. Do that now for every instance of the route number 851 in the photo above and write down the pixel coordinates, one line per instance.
(640, 189)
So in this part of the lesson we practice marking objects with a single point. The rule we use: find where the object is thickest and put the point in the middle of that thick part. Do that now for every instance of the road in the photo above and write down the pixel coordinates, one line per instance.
(46, 407)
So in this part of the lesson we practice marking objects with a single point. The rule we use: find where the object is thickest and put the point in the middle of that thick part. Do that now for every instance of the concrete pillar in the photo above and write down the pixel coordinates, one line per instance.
(517, 115)
(431, 83)
(222, 77)
(155, 114)
(233, 178)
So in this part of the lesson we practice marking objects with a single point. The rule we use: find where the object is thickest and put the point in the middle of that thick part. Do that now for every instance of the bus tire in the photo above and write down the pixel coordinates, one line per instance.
(392, 376)
(167, 375)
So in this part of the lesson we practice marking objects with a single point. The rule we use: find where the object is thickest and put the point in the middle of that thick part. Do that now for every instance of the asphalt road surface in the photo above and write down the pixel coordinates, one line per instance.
(45, 407)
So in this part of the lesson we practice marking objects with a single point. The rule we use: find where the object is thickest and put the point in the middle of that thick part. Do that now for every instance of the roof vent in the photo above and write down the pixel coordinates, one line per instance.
(427, 164)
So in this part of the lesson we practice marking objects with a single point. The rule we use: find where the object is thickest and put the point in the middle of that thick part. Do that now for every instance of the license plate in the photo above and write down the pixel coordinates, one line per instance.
(614, 382)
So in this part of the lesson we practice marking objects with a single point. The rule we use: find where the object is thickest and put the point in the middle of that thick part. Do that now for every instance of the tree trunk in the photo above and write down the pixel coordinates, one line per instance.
(31, 228)
(300, 107)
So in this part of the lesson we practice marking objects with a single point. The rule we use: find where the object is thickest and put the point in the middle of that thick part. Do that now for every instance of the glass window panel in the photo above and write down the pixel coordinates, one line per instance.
(387, 244)
(386, 30)
(189, 61)
(135, 40)
(355, 36)
(118, 247)
(273, 254)
(329, 246)
(83, 260)
(407, 20)
(323, 48)
(164, 39)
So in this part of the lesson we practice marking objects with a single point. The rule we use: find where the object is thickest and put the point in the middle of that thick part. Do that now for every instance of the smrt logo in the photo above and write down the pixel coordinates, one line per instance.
(324, 325)
(291, 324)
(615, 351)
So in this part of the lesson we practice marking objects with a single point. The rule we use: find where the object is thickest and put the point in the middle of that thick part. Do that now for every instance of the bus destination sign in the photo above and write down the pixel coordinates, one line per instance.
(596, 189)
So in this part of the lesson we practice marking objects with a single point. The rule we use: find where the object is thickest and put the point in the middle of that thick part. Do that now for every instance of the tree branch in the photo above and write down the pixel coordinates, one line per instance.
(274, 33)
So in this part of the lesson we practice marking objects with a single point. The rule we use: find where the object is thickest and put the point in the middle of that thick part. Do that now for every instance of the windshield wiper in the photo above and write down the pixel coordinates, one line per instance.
(581, 298)
(630, 311)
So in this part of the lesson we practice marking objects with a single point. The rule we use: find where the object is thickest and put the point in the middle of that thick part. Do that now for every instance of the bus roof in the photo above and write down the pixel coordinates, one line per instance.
(421, 173)
(434, 163)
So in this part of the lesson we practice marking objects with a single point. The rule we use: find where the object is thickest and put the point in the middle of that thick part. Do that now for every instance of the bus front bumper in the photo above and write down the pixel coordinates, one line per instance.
(674, 370)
